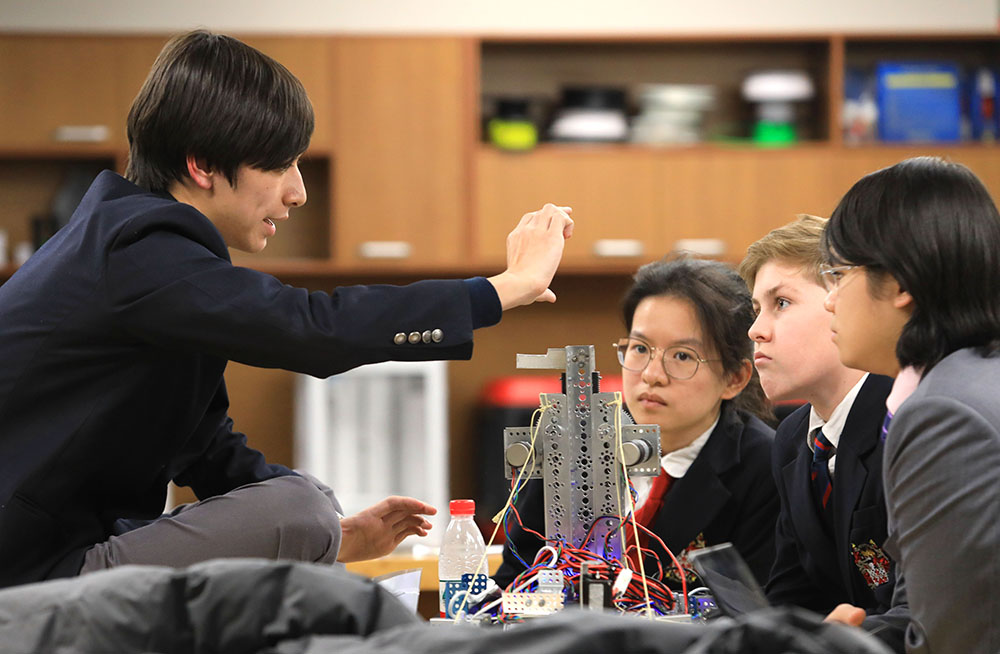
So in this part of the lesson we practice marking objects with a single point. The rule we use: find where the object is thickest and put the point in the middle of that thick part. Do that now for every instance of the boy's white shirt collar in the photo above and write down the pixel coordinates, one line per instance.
(834, 427)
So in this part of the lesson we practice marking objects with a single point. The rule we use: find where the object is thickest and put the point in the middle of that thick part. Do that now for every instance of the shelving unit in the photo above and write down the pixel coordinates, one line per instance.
(636, 202)
(539, 68)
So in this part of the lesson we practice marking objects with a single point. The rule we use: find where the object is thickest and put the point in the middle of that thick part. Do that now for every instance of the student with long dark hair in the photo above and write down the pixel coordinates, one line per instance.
(914, 279)
(686, 366)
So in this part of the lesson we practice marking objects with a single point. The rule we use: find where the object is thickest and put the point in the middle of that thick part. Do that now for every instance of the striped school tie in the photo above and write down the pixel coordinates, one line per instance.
(822, 483)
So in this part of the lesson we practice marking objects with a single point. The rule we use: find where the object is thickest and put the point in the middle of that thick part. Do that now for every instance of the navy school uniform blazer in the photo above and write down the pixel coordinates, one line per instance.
(114, 338)
(814, 568)
(727, 495)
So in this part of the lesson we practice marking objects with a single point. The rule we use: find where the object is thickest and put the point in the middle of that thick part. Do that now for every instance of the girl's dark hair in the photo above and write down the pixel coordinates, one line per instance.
(932, 225)
(217, 99)
(724, 308)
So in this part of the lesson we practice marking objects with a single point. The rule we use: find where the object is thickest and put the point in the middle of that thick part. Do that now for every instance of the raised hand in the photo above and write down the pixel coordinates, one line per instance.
(534, 250)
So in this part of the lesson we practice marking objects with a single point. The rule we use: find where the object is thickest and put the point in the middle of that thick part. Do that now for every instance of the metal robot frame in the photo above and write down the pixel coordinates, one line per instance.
(581, 456)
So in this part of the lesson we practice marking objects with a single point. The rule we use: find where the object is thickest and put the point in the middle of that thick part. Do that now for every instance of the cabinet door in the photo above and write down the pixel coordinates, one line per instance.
(853, 164)
(134, 57)
(613, 192)
(56, 90)
(735, 196)
(308, 58)
(401, 130)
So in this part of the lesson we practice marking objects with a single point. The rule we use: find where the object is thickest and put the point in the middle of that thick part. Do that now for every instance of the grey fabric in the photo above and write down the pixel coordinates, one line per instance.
(265, 607)
(941, 461)
(572, 631)
(232, 606)
(290, 517)
(790, 631)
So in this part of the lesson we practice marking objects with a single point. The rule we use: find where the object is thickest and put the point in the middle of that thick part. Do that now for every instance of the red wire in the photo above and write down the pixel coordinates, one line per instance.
(573, 557)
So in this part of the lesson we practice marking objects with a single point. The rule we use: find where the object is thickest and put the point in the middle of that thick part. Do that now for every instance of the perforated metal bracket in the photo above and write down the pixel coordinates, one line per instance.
(649, 434)
(532, 603)
(517, 450)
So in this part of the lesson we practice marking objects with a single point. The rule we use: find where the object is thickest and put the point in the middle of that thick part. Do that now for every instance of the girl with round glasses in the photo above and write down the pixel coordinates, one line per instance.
(686, 366)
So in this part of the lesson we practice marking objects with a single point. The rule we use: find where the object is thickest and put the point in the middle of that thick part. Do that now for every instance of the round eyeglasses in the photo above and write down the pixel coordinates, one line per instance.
(679, 362)
(831, 275)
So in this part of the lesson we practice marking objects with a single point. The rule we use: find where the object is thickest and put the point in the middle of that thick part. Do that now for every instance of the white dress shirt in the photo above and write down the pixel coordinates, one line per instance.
(833, 427)
(676, 464)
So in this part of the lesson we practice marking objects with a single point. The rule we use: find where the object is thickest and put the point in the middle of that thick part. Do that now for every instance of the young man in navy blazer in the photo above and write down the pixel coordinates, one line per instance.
(116, 334)
(830, 533)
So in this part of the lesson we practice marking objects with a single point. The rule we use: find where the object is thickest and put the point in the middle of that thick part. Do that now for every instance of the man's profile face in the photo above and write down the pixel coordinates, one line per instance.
(249, 212)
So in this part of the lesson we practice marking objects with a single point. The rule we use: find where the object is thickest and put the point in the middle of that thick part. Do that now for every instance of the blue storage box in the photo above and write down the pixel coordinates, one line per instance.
(918, 102)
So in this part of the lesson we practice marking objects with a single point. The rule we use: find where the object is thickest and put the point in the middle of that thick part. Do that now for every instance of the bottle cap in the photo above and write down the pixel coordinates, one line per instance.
(462, 507)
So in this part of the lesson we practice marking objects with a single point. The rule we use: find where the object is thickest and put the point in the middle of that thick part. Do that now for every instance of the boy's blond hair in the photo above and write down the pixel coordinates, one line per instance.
(797, 243)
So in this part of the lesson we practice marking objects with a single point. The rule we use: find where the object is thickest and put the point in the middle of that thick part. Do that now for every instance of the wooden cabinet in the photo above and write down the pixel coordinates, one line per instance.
(58, 90)
(633, 205)
(612, 192)
(854, 163)
(402, 129)
(733, 196)
(309, 59)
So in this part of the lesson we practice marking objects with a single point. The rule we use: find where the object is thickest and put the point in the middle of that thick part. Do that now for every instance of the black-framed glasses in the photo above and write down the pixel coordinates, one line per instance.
(679, 362)
(831, 275)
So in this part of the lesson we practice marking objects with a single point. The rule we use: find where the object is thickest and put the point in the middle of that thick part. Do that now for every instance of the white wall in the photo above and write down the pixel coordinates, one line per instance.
(499, 16)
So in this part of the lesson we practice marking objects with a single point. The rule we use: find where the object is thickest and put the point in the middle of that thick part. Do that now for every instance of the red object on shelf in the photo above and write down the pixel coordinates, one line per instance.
(523, 390)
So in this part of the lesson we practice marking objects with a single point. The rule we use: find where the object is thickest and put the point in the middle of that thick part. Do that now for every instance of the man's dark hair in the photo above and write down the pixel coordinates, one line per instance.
(933, 227)
(221, 101)
(724, 309)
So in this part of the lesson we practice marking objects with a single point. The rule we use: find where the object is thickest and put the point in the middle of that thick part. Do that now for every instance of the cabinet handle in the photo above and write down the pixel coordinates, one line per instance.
(385, 250)
(618, 247)
(81, 133)
(707, 247)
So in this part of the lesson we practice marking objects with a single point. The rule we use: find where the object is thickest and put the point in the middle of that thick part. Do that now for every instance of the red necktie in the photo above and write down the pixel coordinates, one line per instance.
(646, 514)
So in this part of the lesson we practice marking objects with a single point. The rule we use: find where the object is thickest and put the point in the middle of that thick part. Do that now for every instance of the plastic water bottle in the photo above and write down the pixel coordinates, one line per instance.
(462, 548)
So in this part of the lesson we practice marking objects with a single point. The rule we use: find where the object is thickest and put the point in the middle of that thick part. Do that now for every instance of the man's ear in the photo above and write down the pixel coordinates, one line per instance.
(738, 380)
(199, 172)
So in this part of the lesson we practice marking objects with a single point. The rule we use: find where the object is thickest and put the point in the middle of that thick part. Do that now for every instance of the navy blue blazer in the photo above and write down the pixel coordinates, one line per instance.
(114, 337)
(814, 568)
(727, 495)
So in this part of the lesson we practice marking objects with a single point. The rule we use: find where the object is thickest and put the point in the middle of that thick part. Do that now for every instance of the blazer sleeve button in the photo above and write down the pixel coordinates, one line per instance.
(399, 338)
(414, 337)
(437, 335)
(426, 336)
